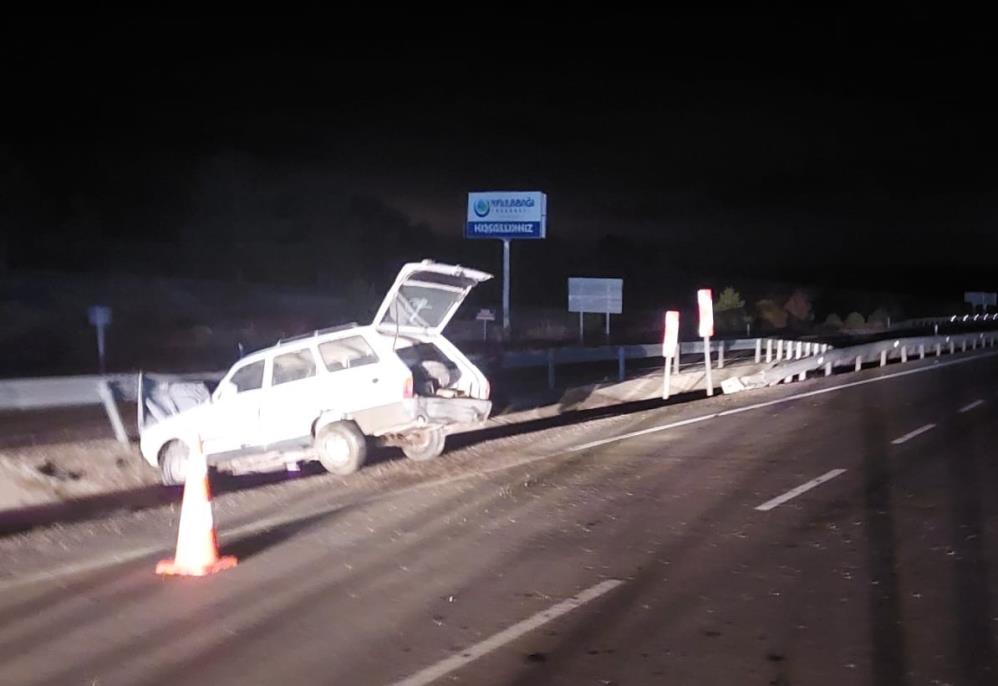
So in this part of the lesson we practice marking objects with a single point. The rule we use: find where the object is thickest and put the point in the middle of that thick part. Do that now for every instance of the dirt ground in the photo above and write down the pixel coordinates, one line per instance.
(41, 474)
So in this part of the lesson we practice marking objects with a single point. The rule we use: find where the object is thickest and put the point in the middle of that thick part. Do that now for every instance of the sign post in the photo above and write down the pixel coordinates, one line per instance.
(485, 316)
(705, 303)
(670, 348)
(100, 317)
(599, 296)
(506, 215)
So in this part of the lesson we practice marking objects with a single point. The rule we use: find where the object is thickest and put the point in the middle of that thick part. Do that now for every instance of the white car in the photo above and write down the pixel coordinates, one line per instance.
(322, 395)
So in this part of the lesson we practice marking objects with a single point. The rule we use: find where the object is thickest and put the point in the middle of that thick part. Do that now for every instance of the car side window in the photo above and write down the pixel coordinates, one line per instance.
(248, 378)
(294, 366)
(346, 353)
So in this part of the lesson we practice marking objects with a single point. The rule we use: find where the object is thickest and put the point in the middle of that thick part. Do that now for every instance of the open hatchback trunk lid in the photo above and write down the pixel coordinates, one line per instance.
(425, 297)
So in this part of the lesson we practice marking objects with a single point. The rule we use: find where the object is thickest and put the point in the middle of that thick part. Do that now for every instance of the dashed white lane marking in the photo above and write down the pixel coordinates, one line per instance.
(803, 488)
(970, 406)
(911, 434)
(434, 672)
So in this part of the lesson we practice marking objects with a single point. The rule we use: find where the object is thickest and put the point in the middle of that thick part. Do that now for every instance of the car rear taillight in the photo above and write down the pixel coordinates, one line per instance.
(407, 387)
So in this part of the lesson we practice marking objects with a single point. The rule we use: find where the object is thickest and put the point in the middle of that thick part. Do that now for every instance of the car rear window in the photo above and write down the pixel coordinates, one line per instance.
(346, 353)
(294, 366)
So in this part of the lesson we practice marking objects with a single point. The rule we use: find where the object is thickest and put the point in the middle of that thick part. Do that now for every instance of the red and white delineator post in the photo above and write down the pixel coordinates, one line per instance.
(670, 348)
(705, 303)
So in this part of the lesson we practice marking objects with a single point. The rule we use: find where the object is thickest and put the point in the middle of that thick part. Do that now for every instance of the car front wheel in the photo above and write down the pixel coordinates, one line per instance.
(173, 463)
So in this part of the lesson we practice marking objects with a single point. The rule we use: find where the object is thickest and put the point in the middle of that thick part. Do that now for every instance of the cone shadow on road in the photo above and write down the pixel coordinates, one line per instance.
(253, 544)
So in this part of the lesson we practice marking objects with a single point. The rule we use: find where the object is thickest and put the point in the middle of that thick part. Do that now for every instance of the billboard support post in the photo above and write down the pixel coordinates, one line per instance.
(505, 288)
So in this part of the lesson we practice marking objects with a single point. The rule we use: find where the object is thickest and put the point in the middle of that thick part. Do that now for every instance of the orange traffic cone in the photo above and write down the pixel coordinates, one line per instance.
(197, 548)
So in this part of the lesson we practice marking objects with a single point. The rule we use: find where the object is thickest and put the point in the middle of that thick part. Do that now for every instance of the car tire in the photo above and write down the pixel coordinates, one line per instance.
(425, 444)
(341, 448)
(173, 463)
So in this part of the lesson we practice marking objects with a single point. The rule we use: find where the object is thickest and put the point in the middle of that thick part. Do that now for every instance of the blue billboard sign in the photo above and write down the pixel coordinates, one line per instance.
(506, 215)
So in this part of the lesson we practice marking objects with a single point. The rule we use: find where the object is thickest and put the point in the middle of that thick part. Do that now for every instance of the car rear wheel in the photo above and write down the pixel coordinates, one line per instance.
(173, 463)
(341, 447)
(425, 444)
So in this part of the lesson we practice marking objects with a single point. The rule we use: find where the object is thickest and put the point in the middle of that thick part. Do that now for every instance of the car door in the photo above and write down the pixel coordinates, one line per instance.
(292, 400)
(233, 422)
(356, 377)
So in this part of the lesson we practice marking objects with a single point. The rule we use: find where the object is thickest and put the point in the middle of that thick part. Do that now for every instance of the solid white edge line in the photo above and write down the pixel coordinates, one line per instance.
(496, 641)
(803, 488)
(968, 407)
(911, 434)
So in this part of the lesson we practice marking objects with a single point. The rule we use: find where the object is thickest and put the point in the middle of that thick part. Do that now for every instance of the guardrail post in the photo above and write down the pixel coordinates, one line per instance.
(828, 369)
(859, 363)
(883, 358)
(939, 350)
(802, 375)
(779, 350)
(758, 350)
(550, 369)
(921, 351)
(963, 343)
(952, 348)
(799, 350)
(620, 363)
(720, 354)
(904, 354)
(807, 349)
(769, 350)
(111, 407)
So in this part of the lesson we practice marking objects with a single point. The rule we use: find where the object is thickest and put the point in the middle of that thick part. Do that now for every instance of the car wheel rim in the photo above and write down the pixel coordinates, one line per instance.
(336, 450)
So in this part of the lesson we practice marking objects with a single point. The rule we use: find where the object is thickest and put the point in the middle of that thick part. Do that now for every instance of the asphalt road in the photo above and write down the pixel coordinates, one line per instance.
(834, 531)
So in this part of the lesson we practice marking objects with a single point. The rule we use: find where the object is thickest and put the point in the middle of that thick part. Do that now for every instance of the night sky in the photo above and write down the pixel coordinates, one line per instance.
(811, 149)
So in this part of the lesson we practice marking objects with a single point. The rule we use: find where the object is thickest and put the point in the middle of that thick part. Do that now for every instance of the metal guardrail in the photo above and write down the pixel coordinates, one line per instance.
(62, 391)
(610, 353)
(902, 349)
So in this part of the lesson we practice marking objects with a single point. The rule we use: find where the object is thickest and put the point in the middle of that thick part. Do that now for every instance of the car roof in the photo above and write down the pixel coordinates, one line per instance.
(319, 335)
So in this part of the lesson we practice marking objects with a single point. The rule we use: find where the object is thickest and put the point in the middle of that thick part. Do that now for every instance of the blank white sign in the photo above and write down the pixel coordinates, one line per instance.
(605, 296)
